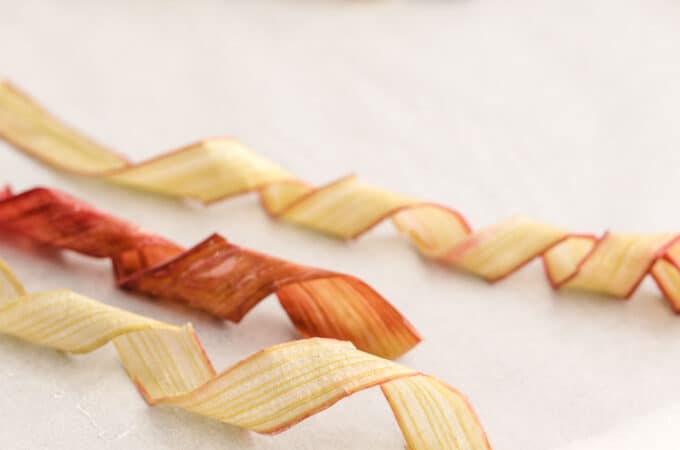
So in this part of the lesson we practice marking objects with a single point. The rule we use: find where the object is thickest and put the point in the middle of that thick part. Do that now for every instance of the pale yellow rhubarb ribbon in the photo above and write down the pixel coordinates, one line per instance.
(266, 393)
(215, 169)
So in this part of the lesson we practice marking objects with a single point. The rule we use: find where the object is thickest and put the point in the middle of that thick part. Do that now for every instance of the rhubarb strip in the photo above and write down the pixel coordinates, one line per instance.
(215, 169)
(215, 276)
(266, 393)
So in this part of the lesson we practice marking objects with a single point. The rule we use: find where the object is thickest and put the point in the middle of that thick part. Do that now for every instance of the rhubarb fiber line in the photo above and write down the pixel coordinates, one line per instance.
(215, 169)
(215, 276)
(266, 393)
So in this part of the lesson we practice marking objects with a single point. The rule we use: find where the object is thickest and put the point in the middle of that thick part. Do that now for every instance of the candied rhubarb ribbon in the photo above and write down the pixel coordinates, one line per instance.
(215, 169)
(266, 393)
(215, 276)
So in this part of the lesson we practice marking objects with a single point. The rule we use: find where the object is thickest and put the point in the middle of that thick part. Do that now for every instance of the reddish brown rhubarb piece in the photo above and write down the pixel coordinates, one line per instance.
(214, 276)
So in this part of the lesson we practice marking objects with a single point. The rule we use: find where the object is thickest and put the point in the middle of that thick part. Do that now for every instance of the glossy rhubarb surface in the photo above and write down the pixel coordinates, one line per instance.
(215, 275)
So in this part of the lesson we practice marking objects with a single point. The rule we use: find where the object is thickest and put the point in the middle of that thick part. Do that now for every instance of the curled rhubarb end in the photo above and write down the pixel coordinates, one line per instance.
(614, 264)
(666, 273)
(215, 169)
(215, 276)
(265, 393)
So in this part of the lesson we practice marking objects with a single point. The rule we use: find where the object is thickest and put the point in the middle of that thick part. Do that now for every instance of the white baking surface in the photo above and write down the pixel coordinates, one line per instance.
(563, 111)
